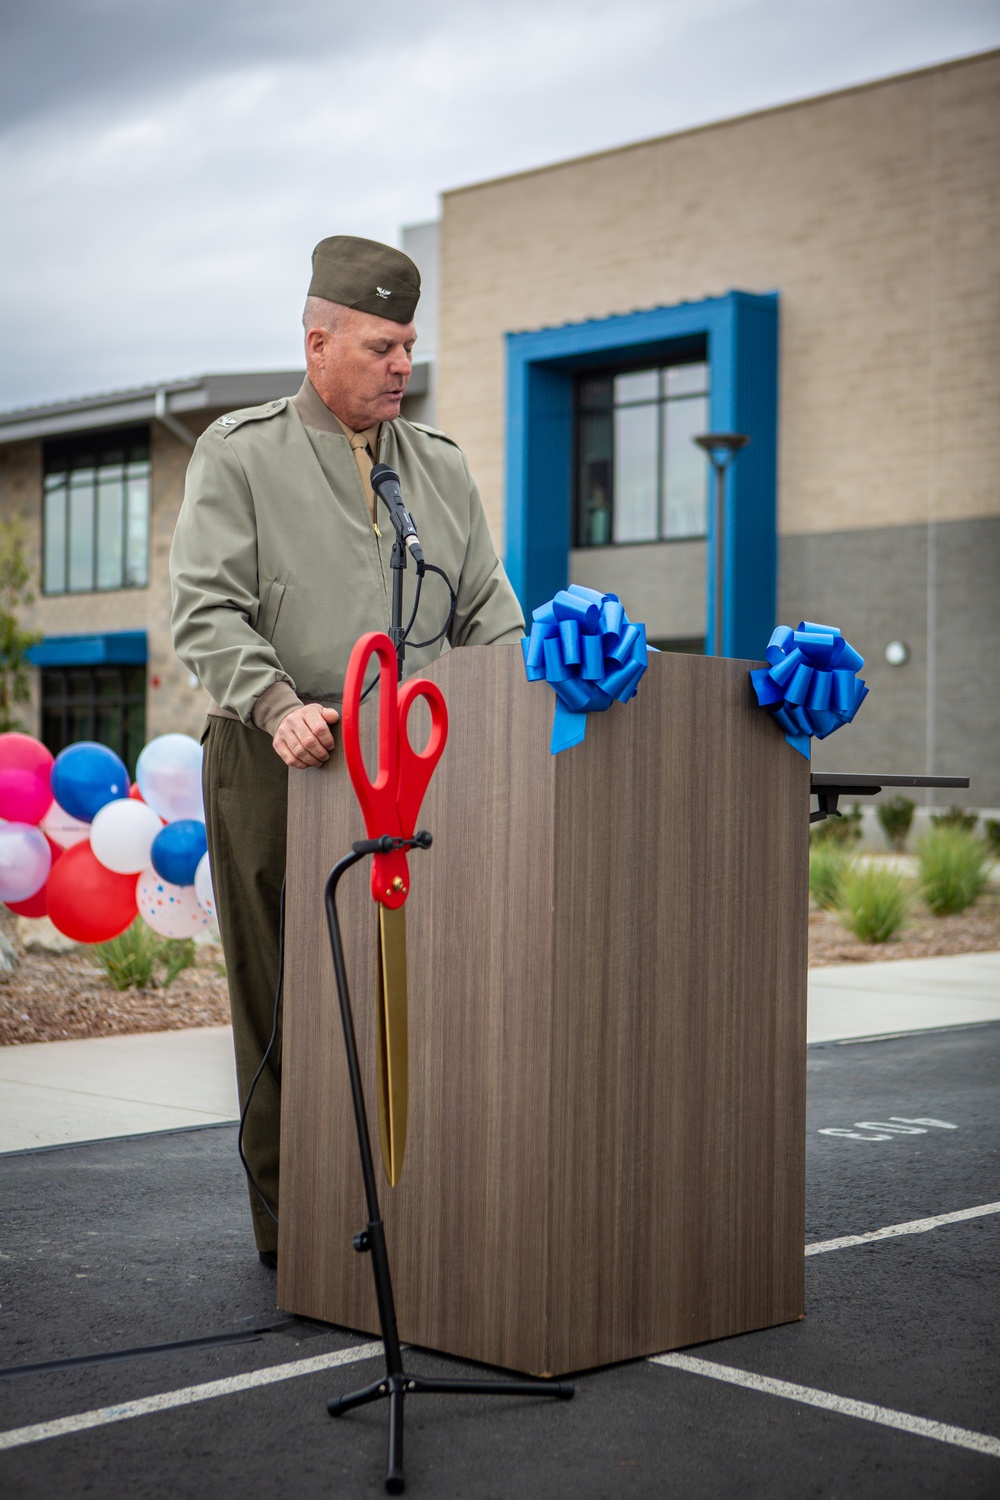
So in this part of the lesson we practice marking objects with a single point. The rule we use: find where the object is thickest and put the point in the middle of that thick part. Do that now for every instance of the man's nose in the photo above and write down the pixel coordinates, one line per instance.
(401, 363)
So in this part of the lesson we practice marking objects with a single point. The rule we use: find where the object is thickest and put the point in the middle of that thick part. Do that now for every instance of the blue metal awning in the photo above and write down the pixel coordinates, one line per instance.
(114, 648)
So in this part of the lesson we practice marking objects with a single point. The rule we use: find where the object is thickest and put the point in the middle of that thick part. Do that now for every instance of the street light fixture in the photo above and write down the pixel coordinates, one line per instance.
(721, 448)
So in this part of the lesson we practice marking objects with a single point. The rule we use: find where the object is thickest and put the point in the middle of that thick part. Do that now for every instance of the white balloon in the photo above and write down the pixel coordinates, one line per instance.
(169, 775)
(122, 835)
(62, 828)
(25, 861)
(203, 888)
(173, 911)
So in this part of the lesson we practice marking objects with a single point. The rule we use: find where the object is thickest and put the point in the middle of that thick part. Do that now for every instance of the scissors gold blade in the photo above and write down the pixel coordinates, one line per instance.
(393, 1039)
(390, 805)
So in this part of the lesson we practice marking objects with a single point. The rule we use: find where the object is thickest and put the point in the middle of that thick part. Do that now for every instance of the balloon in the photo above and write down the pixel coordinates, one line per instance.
(38, 904)
(203, 887)
(171, 910)
(25, 861)
(122, 835)
(86, 776)
(63, 829)
(168, 773)
(87, 902)
(177, 850)
(134, 792)
(25, 767)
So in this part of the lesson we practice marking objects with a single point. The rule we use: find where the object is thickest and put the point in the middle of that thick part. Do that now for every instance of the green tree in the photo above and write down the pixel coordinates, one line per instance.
(15, 595)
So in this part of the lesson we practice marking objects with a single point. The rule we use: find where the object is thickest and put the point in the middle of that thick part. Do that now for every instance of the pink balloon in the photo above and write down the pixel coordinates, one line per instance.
(38, 904)
(25, 861)
(25, 767)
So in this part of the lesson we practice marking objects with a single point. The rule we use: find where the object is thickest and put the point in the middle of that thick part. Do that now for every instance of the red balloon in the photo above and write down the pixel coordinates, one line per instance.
(25, 767)
(87, 902)
(38, 904)
(135, 793)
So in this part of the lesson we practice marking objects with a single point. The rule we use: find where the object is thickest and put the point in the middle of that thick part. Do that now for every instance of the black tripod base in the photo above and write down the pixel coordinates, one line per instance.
(395, 1388)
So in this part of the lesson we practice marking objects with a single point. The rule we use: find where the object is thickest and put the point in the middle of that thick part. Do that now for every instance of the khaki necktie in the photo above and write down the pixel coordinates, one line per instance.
(363, 459)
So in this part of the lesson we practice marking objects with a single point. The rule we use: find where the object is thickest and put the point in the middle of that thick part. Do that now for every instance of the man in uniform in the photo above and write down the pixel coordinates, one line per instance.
(280, 561)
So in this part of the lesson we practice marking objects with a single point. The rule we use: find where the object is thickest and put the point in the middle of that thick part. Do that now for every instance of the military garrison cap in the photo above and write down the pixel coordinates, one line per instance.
(373, 278)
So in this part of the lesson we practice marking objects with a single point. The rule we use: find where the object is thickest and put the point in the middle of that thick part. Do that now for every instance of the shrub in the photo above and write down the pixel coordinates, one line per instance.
(875, 902)
(843, 830)
(992, 830)
(827, 863)
(896, 818)
(956, 817)
(952, 869)
(131, 960)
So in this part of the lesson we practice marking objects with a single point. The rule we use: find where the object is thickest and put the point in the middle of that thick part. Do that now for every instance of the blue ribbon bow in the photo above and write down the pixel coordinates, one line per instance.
(584, 644)
(810, 687)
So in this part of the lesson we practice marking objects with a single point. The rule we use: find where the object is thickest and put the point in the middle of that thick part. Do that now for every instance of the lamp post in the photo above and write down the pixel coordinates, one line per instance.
(721, 448)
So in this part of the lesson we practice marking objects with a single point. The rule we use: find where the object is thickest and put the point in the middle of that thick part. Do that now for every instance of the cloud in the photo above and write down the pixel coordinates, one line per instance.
(167, 169)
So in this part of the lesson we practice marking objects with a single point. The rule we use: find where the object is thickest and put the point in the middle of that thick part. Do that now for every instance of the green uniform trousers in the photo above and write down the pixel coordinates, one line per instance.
(245, 786)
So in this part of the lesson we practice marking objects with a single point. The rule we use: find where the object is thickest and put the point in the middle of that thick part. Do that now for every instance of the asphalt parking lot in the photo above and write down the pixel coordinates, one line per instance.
(888, 1387)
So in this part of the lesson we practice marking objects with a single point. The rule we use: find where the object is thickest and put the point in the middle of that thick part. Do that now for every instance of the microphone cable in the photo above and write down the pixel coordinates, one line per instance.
(265, 1059)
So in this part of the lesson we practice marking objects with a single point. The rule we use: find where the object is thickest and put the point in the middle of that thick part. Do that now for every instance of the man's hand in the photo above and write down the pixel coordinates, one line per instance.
(304, 737)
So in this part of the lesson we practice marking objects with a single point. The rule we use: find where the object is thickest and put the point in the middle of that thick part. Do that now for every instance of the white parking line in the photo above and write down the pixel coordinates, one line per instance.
(187, 1396)
(915, 1226)
(959, 1437)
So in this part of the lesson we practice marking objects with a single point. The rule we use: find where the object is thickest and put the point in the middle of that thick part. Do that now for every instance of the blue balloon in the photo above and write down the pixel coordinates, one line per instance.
(178, 849)
(85, 777)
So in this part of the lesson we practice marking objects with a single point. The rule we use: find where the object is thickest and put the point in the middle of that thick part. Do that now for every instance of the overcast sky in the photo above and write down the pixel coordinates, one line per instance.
(167, 165)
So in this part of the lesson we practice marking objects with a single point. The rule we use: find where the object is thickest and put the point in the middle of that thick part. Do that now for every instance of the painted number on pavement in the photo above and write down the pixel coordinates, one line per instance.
(887, 1130)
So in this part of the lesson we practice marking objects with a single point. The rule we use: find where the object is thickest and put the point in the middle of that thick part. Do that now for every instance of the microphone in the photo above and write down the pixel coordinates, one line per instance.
(385, 483)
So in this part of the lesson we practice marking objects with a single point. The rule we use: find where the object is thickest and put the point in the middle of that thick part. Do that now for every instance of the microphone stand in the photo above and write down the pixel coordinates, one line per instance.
(396, 1383)
(397, 563)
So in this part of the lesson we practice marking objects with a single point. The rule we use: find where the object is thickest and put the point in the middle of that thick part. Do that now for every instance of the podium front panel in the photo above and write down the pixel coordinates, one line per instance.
(607, 989)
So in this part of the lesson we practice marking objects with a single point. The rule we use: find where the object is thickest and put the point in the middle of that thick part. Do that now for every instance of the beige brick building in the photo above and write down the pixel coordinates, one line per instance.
(874, 215)
(823, 276)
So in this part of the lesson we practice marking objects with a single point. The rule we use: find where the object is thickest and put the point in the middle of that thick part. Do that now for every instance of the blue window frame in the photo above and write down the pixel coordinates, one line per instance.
(737, 336)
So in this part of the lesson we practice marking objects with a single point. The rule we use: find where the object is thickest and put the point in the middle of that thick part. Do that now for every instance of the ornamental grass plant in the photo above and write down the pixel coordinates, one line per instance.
(952, 865)
(956, 817)
(132, 959)
(875, 901)
(827, 863)
(844, 829)
(896, 818)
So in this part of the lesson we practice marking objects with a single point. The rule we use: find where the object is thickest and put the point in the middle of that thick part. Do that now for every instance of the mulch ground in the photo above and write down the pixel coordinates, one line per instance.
(51, 997)
(976, 930)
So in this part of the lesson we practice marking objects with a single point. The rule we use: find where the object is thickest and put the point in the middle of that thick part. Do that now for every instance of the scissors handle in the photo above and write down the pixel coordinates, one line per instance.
(391, 802)
(417, 767)
(377, 798)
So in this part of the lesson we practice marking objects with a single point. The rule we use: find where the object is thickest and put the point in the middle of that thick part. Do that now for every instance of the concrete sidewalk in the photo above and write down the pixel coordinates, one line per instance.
(55, 1092)
(52, 1093)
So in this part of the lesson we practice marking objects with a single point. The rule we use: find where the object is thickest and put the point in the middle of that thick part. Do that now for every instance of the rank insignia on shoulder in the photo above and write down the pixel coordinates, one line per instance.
(228, 421)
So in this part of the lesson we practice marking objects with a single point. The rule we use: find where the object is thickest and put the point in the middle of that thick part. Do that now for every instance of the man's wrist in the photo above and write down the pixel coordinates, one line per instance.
(274, 704)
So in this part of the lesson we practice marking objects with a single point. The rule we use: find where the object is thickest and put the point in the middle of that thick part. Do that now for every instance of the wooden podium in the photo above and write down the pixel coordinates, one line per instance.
(607, 985)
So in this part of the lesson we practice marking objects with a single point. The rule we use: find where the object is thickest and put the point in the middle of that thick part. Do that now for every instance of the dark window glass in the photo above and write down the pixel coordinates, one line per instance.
(107, 704)
(689, 645)
(96, 513)
(639, 475)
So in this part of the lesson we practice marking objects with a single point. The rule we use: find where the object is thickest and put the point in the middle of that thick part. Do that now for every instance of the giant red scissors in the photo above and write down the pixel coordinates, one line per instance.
(390, 804)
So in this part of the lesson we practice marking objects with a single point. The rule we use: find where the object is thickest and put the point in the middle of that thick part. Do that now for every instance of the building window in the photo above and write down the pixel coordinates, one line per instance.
(96, 513)
(639, 477)
(687, 645)
(106, 703)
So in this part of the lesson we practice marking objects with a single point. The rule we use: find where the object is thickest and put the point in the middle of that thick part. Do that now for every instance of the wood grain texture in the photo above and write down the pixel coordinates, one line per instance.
(607, 977)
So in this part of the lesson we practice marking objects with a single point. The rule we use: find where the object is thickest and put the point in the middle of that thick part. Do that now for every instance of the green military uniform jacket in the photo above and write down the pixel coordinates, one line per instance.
(277, 568)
